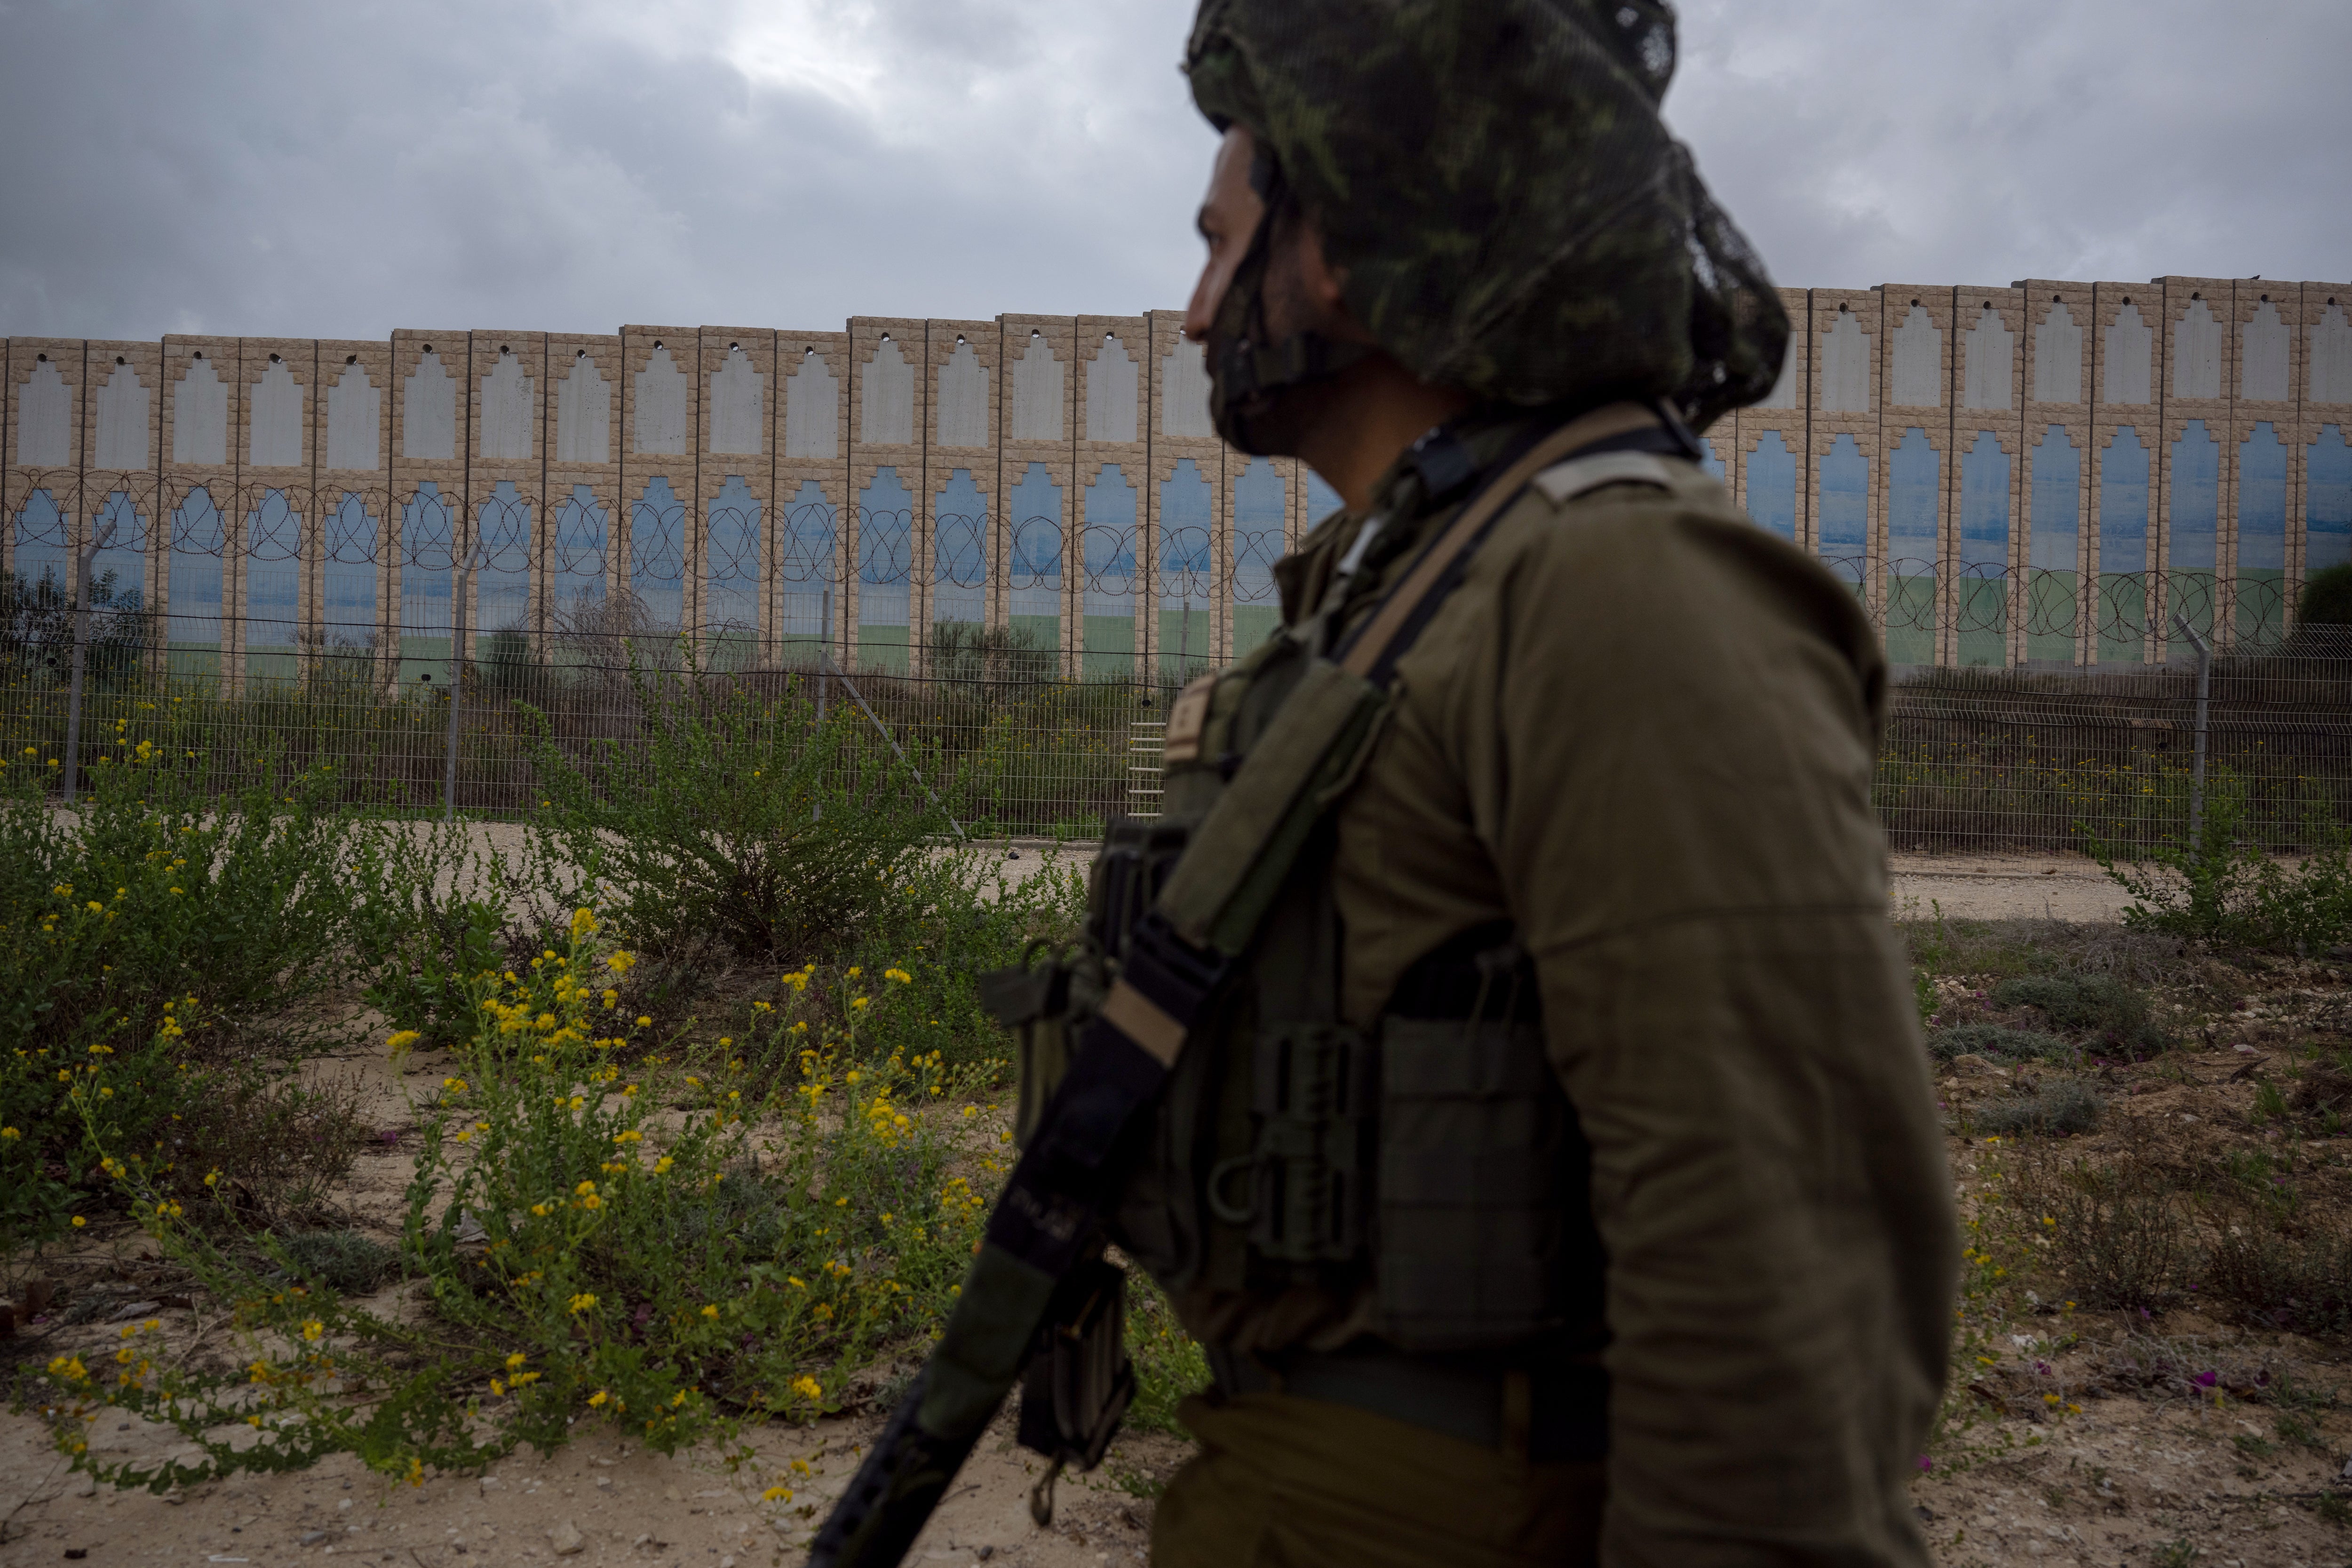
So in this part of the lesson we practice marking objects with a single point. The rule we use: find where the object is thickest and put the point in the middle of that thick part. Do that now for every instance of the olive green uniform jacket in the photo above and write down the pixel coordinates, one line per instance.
(1642, 729)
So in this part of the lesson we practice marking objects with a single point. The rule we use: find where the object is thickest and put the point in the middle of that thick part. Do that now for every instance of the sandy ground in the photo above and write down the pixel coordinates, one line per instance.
(2002, 887)
(596, 1501)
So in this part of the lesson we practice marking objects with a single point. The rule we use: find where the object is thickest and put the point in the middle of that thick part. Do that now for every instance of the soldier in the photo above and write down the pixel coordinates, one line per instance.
(1654, 1255)
(1496, 1047)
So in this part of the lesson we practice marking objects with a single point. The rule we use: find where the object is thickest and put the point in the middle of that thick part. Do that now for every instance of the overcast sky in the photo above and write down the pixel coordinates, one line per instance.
(269, 167)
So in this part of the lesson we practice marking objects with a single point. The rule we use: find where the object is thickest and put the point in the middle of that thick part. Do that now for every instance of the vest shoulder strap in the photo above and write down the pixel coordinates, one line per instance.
(1563, 482)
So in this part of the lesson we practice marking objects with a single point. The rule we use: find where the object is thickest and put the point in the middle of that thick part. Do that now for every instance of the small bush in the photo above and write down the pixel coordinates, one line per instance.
(2095, 1002)
(2060, 1105)
(2298, 1279)
(2223, 887)
(272, 1149)
(748, 825)
(156, 890)
(2120, 1233)
(2000, 1043)
(2324, 1086)
(1168, 1365)
(422, 977)
(341, 1261)
(2114, 1011)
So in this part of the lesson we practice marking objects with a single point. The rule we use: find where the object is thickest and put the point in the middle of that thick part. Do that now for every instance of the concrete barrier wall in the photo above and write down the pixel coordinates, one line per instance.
(2046, 473)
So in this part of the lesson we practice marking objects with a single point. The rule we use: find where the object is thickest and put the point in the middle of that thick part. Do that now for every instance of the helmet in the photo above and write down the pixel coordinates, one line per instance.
(1513, 217)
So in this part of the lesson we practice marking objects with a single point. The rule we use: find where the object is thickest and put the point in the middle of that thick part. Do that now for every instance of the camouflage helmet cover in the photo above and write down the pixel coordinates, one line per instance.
(1494, 174)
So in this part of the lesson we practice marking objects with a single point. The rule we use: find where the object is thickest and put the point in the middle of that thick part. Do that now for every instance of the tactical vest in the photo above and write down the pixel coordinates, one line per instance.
(1431, 1160)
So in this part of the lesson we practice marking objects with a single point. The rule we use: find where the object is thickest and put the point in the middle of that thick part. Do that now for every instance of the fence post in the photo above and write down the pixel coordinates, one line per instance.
(463, 575)
(86, 561)
(824, 648)
(2204, 695)
(857, 697)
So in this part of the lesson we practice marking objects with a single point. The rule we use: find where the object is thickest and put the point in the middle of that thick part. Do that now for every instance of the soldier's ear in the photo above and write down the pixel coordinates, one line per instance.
(1323, 284)
(1305, 291)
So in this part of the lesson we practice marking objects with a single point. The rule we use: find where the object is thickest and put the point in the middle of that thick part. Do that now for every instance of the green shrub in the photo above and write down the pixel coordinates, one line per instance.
(1999, 1043)
(2223, 887)
(60, 1104)
(155, 889)
(1169, 1363)
(425, 969)
(341, 1261)
(2327, 597)
(747, 824)
(2057, 1105)
(2094, 1002)
(2113, 1013)
(147, 933)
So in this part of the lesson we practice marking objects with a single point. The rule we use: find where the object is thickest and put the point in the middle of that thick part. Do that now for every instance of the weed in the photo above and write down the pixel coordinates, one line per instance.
(2149, 1365)
(2058, 1105)
(2335, 1508)
(2253, 1448)
(2120, 1232)
(2095, 1002)
(2299, 1430)
(2325, 1086)
(422, 981)
(2177, 1553)
(1931, 951)
(2288, 1275)
(155, 889)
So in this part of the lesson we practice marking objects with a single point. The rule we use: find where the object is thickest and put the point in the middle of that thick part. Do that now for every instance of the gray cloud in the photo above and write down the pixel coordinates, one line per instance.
(337, 171)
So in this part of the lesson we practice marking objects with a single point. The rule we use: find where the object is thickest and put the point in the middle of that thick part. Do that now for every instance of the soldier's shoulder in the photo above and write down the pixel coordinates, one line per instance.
(1613, 501)
(1658, 540)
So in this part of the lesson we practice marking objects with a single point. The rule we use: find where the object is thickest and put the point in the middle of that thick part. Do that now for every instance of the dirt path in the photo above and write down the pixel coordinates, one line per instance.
(597, 1500)
(2002, 887)
(2061, 886)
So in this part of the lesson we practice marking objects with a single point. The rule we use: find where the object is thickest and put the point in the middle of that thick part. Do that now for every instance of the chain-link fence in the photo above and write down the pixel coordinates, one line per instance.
(1980, 760)
(2040, 759)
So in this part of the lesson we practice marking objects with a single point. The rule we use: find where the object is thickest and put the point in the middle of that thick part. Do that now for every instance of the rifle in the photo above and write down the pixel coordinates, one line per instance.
(1040, 1299)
